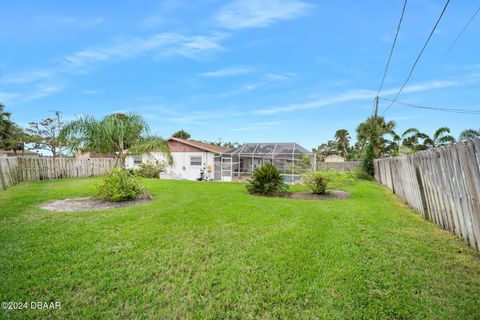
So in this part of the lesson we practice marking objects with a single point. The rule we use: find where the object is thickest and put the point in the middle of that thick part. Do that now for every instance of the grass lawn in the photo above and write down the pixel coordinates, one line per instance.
(209, 250)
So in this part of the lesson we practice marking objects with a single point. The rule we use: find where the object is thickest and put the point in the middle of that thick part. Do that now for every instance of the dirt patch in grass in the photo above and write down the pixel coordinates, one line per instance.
(87, 204)
(330, 194)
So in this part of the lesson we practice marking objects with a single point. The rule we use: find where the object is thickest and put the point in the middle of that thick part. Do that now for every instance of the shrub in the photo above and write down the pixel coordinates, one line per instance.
(367, 161)
(361, 174)
(150, 170)
(267, 181)
(119, 185)
(315, 181)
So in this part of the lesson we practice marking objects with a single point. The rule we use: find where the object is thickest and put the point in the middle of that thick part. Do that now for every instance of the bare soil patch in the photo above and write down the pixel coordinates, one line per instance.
(87, 204)
(330, 194)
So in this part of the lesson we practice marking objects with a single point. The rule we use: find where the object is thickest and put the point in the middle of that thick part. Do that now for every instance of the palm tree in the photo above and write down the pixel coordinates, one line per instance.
(469, 134)
(343, 140)
(440, 137)
(12, 137)
(5, 121)
(373, 131)
(119, 134)
(393, 148)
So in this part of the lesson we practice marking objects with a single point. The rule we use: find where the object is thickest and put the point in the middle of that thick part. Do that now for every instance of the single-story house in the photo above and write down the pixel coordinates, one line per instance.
(190, 159)
(334, 158)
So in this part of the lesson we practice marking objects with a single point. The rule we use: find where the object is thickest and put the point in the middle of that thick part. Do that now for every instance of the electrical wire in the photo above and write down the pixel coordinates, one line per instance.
(393, 46)
(453, 110)
(461, 32)
(418, 57)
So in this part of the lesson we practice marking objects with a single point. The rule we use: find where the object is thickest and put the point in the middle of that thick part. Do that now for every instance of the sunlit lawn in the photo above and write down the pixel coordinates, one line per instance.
(209, 250)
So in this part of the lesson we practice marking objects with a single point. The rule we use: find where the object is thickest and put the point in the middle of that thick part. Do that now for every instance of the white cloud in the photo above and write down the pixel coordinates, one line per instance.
(41, 92)
(241, 14)
(356, 95)
(227, 72)
(267, 79)
(160, 45)
(8, 96)
(38, 92)
(52, 19)
(27, 77)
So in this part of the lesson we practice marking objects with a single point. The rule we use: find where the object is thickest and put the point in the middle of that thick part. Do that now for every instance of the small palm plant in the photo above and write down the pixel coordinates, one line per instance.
(267, 181)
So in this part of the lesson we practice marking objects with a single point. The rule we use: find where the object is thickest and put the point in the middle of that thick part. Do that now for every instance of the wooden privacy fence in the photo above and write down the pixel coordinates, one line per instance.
(441, 184)
(16, 169)
(338, 166)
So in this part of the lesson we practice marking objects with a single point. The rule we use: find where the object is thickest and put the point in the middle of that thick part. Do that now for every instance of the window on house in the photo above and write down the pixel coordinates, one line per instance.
(195, 161)
(137, 160)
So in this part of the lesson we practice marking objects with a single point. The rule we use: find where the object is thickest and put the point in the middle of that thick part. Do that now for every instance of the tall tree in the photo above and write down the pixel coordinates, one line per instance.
(182, 134)
(342, 137)
(44, 135)
(469, 134)
(12, 136)
(440, 137)
(325, 149)
(371, 136)
(373, 131)
(118, 134)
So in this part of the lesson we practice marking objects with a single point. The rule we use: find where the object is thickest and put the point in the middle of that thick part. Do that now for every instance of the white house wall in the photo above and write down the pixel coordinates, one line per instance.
(181, 167)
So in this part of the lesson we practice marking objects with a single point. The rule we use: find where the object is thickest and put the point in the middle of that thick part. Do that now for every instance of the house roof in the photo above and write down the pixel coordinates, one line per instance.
(201, 145)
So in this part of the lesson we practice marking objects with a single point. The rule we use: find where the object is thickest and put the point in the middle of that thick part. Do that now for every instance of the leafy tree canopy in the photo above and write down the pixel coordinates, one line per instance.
(182, 134)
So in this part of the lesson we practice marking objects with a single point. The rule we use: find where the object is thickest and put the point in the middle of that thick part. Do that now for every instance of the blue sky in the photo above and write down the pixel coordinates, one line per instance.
(271, 70)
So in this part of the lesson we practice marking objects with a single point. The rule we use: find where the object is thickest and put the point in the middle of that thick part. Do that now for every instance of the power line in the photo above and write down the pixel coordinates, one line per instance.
(461, 32)
(418, 57)
(453, 110)
(393, 46)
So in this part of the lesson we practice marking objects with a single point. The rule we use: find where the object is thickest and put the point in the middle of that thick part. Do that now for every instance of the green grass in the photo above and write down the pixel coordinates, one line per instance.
(210, 250)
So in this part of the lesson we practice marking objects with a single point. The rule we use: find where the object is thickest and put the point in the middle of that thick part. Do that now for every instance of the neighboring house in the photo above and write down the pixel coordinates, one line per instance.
(334, 158)
(92, 154)
(19, 153)
(190, 157)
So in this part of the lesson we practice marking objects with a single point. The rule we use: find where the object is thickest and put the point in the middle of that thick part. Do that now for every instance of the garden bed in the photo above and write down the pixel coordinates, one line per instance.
(330, 194)
(88, 204)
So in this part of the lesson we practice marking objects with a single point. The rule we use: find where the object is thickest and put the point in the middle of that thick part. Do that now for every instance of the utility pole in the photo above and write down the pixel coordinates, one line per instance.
(376, 106)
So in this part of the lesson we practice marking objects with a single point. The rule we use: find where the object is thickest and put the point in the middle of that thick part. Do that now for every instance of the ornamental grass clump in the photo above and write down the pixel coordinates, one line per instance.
(267, 181)
(315, 181)
(119, 185)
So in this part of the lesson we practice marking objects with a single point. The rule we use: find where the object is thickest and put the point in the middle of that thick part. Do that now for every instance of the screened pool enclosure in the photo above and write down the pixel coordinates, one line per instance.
(238, 164)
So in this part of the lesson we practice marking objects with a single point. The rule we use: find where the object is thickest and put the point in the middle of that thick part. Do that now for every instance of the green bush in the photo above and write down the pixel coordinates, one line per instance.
(362, 175)
(150, 170)
(315, 181)
(119, 185)
(367, 161)
(267, 181)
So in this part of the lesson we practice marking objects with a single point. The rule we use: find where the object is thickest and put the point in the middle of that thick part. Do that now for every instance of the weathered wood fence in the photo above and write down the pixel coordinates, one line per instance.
(442, 184)
(338, 166)
(16, 169)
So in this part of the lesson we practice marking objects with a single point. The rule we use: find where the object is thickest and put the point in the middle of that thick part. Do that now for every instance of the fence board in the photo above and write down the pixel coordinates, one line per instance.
(442, 184)
(16, 169)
